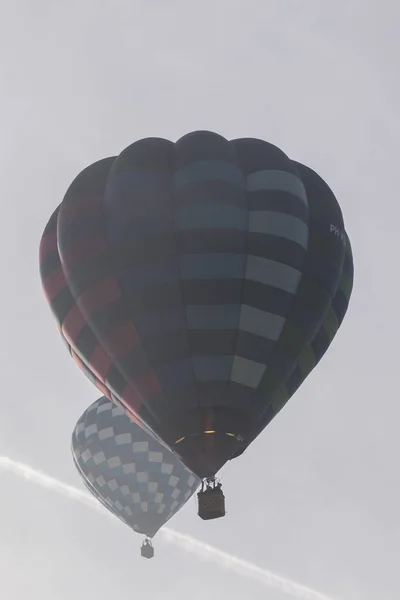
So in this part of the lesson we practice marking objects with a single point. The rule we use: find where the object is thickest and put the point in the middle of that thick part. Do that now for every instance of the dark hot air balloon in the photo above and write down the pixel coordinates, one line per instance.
(193, 281)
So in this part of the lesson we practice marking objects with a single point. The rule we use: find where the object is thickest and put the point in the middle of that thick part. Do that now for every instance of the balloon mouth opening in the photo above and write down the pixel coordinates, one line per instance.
(205, 452)
(237, 436)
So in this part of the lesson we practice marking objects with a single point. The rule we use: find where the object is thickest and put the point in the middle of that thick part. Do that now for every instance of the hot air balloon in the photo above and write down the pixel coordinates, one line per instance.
(128, 471)
(198, 283)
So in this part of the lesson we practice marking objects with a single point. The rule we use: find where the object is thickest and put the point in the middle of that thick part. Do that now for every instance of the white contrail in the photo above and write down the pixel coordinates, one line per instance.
(185, 542)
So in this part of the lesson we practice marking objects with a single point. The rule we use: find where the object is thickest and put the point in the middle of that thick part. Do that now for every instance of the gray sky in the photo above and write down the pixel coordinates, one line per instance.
(81, 80)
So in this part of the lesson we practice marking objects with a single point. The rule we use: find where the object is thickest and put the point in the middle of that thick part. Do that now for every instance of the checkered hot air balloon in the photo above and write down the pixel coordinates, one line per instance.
(198, 283)
(128, 470)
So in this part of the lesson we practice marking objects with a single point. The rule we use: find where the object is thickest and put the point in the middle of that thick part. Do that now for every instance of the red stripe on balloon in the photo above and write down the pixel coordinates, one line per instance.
(131, 399)
(104, 390)
(123, 338)
(100, 363)
(147, 383)
(99, 295)
(53, 284)
(73, 324)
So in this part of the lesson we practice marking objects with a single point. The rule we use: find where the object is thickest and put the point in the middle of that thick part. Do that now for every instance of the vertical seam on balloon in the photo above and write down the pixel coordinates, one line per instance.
(283, 383)
(116, 274)
(232, 144)
(178, 261)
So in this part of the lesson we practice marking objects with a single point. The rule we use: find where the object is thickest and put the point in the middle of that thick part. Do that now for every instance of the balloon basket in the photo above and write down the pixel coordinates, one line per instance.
(147, 550)
(211, 501)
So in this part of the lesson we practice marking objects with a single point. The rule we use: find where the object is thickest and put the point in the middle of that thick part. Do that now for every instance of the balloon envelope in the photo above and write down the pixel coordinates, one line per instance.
(191, 280)
(127, 470)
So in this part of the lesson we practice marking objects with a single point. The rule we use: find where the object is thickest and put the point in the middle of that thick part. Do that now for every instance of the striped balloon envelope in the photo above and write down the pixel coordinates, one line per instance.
(198, 283)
